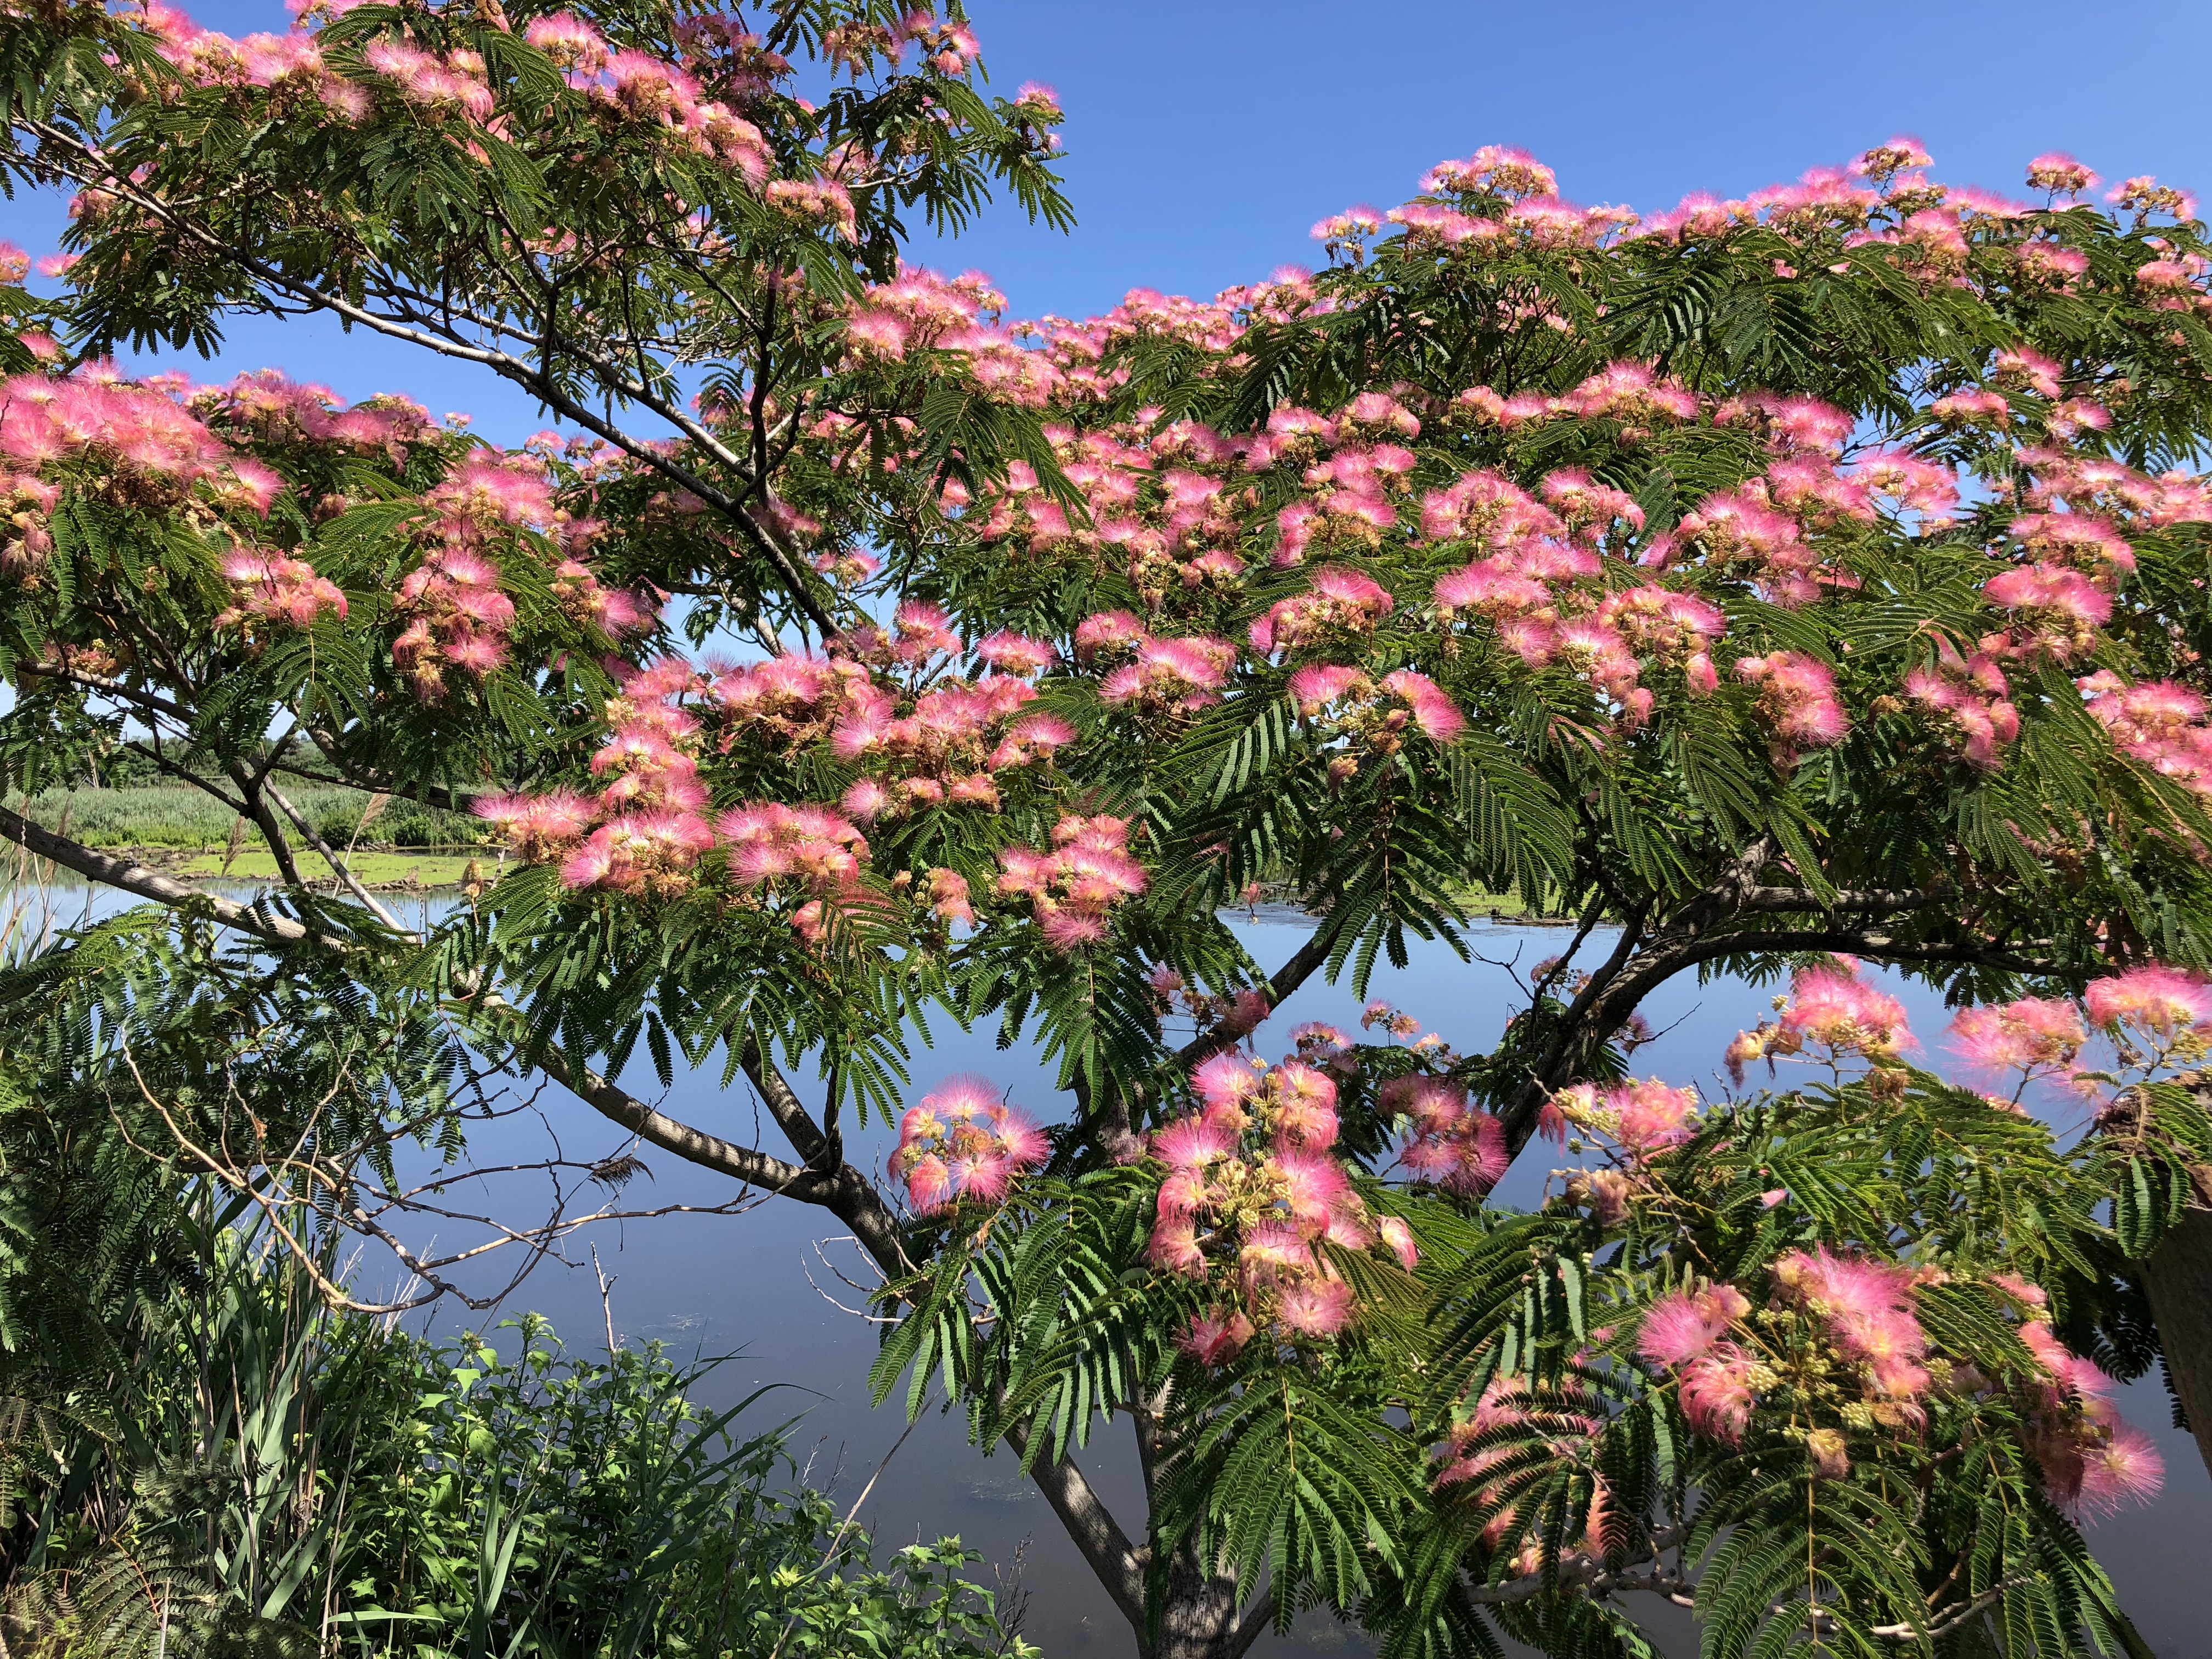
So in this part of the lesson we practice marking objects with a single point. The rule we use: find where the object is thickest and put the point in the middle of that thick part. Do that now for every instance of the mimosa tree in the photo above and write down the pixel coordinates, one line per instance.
(1777, 585)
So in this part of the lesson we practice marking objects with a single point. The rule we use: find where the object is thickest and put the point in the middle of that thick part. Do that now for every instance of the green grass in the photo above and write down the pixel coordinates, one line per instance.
(372, 869)
(179, 816)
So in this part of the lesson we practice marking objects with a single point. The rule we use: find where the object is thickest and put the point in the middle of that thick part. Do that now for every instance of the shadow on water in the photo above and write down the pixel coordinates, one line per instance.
(765, 1287)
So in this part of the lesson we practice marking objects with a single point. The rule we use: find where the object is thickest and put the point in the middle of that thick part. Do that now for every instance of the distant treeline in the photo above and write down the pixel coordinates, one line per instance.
(133, 810)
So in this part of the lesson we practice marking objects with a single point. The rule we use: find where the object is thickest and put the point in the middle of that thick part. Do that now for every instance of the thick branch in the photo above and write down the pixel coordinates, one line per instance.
(1302, 967)
(1843, 903)
(135, 879)
(150, 701)
(846, 1193)
(1700, 932)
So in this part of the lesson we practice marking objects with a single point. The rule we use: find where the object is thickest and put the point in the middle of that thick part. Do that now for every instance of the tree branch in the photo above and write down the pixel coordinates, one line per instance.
(1297, 971)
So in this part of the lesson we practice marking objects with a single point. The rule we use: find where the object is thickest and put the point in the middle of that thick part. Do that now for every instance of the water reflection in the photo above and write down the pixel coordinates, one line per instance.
(764, 1288)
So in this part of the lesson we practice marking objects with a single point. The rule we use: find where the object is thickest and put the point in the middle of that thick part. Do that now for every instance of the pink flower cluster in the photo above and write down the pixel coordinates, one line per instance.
(1527, 586)
(2094, 1463)
(457, 622)
(2060, 173)
(810, 848)
(1689, 1333)
(459, 619)
(1251, 1191)
(1167, 675)
(945, 751)
(27, 505)
(2096, 485)
(1530, 221)
(2056, 613)
(1867, 1306)
(2036, 1036)
(962, 1144)
(643, 834)
(1833, 1008)
(1837, 1009)
(1074, 888)
(2161, 1005)
(650, 853)
(805, 204)
(271, 588)
(1493, 170)
(1629, 392)
(1642, 1118)
(1797, 695)
(639, 91)
(1971, 694)
(277, 410)
(792, 700)
(1861, 1312)
(1569, 1421)
(434, 83)
(1760, 528)
(2157, 722)
(154, 452)
(1454, 1146)
(922, 309)
(1374, 716)
(284, 63)
(1340, 602)
(2079, 541)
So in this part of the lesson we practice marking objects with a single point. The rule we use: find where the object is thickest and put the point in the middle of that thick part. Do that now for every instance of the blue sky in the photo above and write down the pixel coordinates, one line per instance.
(1205, 136)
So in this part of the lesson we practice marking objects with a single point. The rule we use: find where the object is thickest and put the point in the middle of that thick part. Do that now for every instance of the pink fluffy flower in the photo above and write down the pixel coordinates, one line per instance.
(1191, 1142)
(1717, 1394)
(1652, 1116)
(1014, 653)
(1682, 1325)
(1217, 1337)
(2157, 1001)
(1174, 1246)
(2124, 1471)
(2060, 173)
(2038, 1035)
(1319, 1307)
(1841, 1010)
(1310, 1183)
(928, 1184)
(1225, 1078)
(1399, 1237)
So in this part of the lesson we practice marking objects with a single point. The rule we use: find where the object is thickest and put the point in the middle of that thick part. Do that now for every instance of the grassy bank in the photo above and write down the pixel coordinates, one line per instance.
(179, 816)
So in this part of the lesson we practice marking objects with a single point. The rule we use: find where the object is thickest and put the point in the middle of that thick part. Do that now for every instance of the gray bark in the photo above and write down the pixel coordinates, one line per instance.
(2177, 1280)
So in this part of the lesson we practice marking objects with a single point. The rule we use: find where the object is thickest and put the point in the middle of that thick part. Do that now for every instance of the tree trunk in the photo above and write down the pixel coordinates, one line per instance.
(2177, 1280)
(1199, 1620)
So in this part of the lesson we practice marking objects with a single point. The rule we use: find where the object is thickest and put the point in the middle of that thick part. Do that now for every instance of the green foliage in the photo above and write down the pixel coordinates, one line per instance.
(282, 1480)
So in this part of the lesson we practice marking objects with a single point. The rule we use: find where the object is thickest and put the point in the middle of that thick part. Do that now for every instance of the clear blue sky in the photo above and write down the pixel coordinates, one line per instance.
(1205, 136)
